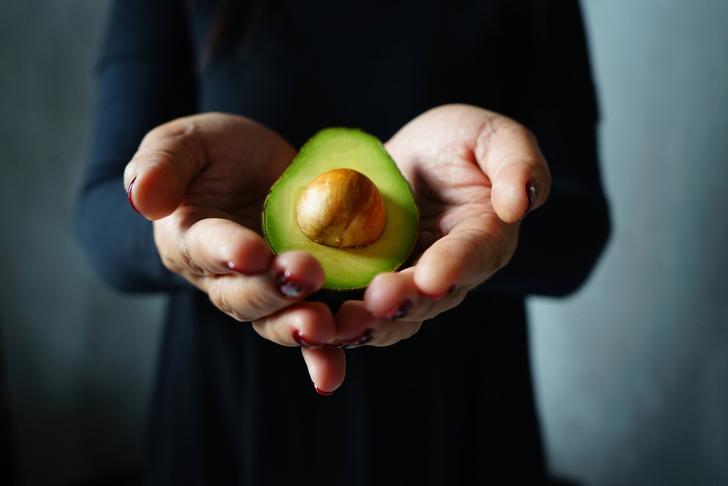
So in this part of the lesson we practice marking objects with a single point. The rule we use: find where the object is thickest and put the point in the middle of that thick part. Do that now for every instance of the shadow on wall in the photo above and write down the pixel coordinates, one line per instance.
(632, 372)
(79, 358)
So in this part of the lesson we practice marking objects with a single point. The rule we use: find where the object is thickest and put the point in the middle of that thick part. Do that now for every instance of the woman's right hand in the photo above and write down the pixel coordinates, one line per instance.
(202, 181)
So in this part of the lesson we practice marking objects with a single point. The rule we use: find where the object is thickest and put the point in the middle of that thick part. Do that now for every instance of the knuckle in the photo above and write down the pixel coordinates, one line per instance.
(253, 301)
(172, 129)
(217, 296)
(219, 299)
(173, 142)
(276, 329)
(187, 260)
(258, 302)
(162, 156)
(147, 157)
(504, 124)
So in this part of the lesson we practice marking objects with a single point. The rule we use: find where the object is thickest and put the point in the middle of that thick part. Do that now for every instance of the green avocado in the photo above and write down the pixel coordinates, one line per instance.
(344, 148)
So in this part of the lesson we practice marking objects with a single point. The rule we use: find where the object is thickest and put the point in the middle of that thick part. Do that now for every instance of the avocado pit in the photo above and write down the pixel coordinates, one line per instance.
(341, 208)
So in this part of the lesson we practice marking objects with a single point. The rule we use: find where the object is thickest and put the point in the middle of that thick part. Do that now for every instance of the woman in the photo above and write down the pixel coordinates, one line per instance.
(453, 404)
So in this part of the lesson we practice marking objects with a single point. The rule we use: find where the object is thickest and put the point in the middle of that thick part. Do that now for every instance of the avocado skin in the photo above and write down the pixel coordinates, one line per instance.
(350, 269)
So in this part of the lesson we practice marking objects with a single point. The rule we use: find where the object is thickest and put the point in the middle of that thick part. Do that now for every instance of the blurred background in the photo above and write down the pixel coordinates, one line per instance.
(632, 371)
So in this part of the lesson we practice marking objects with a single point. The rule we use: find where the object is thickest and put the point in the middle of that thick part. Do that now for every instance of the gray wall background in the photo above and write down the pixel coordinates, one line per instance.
(79, 357)
(632, 372)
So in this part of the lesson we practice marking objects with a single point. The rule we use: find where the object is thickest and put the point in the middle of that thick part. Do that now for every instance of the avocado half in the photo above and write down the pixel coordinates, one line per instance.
(344, 148)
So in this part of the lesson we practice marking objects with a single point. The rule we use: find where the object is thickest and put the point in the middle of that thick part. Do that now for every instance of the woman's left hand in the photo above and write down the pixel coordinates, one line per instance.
(475, 175)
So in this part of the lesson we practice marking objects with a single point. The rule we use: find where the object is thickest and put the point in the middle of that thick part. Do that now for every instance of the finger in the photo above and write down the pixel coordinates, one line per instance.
(472, 251)
(327, 368)
(357, 327)
(311, 326)
(291, 277)
(305, 324)
(395, 296)
(168, 159)
(509, 155)
(217, 245)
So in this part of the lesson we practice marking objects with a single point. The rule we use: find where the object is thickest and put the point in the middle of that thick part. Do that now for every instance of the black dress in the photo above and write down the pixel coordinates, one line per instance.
(452, 405)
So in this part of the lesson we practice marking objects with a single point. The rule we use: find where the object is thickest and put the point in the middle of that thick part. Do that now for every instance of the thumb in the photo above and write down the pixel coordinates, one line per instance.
(168, 159)
(509, 155)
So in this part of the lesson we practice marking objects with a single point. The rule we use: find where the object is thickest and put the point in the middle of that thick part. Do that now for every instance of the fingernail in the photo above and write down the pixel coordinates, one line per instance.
(400, 311)
(129, 195)
(303, 341)
(441, 295)
(531, 193)
(289, 287)
(364, 338)
(322, 392)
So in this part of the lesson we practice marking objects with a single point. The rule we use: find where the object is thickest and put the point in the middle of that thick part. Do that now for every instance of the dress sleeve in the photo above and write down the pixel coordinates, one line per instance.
(146, 76)
(554, 97)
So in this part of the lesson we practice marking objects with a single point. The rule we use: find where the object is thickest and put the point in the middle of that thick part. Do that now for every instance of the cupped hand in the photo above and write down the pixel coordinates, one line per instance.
(475, 174)
(202, 181)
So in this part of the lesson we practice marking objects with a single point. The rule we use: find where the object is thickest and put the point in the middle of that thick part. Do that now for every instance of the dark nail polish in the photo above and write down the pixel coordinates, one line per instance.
(129, 195)
(323, 393)
(400, 311)
(531, 194)
(304, 342)
(289, 287)
(365, 337)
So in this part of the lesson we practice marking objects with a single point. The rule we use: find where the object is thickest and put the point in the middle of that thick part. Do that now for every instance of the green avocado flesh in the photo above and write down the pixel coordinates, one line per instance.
(335, 148)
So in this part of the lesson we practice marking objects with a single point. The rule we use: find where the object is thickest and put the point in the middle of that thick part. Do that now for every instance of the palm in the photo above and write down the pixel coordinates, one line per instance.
(243, 160)
(436, 153)
(474, 174)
